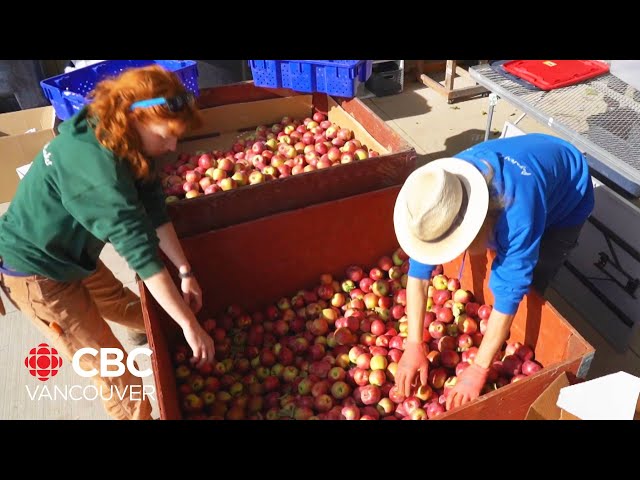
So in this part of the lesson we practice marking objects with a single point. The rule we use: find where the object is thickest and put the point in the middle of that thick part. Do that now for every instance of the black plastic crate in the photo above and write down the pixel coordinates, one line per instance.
(386, 79)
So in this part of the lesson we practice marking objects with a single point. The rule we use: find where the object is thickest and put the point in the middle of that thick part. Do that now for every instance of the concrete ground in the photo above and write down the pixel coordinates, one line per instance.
(424, 118)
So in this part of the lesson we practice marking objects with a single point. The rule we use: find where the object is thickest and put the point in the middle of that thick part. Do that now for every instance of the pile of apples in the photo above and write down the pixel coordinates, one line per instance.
(289, 147)
(331, 352)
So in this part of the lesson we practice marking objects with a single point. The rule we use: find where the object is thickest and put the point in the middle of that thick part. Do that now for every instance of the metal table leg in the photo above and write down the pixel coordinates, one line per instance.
(493, 100)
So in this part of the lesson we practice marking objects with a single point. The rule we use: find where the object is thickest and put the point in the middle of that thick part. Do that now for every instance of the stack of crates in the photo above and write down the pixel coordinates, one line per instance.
(333, 77)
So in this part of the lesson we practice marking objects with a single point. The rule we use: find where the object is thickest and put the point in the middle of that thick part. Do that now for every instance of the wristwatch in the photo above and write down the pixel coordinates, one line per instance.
(184, 275)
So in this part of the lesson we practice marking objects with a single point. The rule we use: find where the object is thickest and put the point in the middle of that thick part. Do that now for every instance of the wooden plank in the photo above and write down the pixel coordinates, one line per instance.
(512, 401)
(449, 76)
(162, 334)
(238, 116)
(377, 127)
(339, 116)
(447, 90)
(239, 92)
(467, 92)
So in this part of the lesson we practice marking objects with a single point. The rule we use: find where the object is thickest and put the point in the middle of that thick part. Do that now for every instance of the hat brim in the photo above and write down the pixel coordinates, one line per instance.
(458, 240)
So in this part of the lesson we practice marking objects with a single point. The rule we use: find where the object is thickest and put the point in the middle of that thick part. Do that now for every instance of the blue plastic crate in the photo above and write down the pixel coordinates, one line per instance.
(333, 77)
(67, 92)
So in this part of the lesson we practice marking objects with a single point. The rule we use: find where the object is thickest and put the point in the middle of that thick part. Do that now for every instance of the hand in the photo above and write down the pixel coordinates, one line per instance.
(468, 386)
(201, 344)
(192, 293)
(414, 360)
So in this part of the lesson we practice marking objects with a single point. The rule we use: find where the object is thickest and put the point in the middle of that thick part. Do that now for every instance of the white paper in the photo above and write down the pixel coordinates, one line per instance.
(611, 397)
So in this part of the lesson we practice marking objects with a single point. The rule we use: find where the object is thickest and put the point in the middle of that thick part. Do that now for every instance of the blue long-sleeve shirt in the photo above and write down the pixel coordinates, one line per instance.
(544, 182)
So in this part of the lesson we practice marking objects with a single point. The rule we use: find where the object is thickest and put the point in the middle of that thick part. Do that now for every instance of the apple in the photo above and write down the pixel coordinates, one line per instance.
(440, 282)
(529, 367)
(465, 341)
(394, 355)
(337, 374)
(449, 358)
(370, 394)
(468, 325)
(344, 336)
(453, 284)
(360, 376)
(319, 117)
(365, 284)
(397, 312)
(183, 372)
(392, 368)
(361, 154)
(441, 296)
(355, 352)
(447, 343)
(484, 311)
(445, 315)
(435, 409)
(323, 403)
(346, 157)
(340, 390)
(385, 406)
(437, 329)
(419, 414)
(305, 385)
(469, 354)
(525, 352)
(424, 393)
(290, 373)
(411, 403)
(396, 342)
(192, 403)
(378, 377)
(511, 365)
(350, 412)
(437, 377)
(378, 362)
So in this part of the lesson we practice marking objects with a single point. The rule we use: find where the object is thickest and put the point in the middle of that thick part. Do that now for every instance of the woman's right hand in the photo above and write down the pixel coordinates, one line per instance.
(201, 344)
(414, 360)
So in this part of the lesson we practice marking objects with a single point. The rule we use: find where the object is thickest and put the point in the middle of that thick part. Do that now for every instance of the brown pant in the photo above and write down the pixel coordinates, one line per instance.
(71, 315)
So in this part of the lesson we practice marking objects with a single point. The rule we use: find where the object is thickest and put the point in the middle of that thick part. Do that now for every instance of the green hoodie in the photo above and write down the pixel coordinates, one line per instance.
(76, 196)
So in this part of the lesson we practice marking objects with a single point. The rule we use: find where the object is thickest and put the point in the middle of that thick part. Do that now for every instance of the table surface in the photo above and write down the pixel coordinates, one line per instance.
(600, 116)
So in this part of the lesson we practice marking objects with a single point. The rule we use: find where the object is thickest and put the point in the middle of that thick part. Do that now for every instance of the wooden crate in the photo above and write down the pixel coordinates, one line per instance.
(255, 263)
(233, 109)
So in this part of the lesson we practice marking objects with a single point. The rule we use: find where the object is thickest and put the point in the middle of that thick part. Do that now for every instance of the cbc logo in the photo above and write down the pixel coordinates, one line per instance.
(43, 362)
(111, 357)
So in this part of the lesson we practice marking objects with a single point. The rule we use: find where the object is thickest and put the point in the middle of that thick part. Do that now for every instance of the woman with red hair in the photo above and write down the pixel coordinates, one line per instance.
(95, 183)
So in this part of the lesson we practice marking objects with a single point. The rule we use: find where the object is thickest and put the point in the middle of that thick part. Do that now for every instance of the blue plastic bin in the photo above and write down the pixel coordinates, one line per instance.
(67, 92)
(333, 77)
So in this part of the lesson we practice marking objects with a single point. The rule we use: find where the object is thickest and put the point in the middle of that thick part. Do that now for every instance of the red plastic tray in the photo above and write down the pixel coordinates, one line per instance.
(550, 74)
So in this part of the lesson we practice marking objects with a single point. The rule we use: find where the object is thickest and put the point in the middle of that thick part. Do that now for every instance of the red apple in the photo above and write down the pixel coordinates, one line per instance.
(370, 394)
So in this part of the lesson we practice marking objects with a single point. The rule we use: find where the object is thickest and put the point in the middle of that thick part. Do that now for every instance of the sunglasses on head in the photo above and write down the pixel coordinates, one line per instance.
(173, 104)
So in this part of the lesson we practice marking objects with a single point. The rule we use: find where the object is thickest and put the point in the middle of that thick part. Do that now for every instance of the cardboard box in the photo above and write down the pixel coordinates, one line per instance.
(234, 111)
(231, 269)
(22, 135)
(610, 397)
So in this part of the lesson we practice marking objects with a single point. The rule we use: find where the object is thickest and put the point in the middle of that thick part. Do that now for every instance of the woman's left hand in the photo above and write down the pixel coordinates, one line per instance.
(192, 293)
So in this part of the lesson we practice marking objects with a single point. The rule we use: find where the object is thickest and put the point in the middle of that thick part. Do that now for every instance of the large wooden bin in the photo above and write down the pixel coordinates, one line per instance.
(255, 263)
(232, 110)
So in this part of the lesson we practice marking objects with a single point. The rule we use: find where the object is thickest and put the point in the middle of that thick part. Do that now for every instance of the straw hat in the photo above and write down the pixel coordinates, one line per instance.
(440, 210)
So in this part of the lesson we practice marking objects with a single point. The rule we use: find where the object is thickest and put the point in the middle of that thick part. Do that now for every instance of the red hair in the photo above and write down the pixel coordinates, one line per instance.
(111, 102)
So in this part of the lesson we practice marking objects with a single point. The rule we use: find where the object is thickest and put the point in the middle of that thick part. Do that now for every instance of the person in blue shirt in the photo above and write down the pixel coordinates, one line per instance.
(525, 197)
